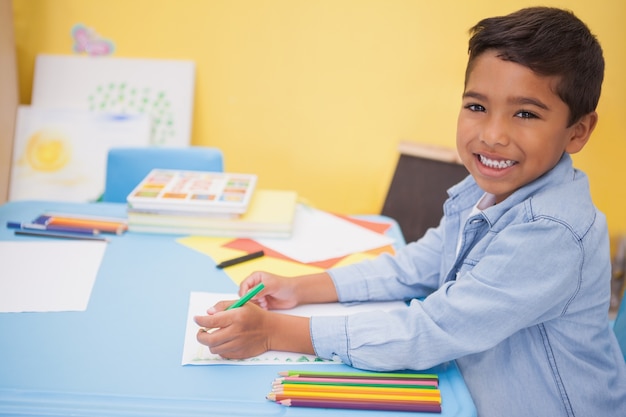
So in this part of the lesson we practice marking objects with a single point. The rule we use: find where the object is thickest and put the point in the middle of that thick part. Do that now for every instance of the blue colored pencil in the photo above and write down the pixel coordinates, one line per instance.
(52, 227)
(62, 235)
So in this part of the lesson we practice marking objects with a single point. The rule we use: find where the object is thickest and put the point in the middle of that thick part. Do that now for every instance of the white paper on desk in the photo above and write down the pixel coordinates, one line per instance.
(60, 154)
(195, 353)
(163, 89)
(318, 236)
(48, 275)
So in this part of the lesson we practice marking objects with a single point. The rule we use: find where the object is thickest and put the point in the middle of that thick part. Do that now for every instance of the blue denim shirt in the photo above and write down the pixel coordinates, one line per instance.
(522, 306)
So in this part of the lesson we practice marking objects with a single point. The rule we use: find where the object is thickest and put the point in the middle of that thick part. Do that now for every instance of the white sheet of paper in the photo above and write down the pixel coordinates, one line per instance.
(318, 235)
(163, 89)
(195, 353)
(60, 154)
(48, 276)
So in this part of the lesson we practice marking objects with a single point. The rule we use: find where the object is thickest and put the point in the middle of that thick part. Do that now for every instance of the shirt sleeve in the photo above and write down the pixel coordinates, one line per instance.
(461, 317)
(413, 272)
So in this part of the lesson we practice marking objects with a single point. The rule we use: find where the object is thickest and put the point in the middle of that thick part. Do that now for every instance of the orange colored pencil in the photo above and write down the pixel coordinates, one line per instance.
(101, 225)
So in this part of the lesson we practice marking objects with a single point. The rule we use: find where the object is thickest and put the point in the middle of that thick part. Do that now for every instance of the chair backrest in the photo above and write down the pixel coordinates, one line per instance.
(418, 187)
(126, 167)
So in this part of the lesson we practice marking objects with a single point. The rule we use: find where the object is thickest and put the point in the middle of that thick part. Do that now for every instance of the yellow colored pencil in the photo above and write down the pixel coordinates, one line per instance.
(338, 395)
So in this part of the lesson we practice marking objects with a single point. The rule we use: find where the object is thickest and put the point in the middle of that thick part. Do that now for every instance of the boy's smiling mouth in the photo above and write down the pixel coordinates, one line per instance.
(495, 163)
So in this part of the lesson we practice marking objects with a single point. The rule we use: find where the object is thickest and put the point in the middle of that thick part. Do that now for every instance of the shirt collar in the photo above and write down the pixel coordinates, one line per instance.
(464, 195)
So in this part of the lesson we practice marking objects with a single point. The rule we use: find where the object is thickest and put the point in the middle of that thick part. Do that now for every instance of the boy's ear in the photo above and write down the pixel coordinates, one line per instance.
(581, 131)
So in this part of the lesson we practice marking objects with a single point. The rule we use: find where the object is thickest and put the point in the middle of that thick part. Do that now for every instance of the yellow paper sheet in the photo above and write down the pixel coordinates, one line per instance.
(212, 246)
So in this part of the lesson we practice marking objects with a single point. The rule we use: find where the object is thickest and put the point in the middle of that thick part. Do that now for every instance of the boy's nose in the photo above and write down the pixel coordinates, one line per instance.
(494, 132)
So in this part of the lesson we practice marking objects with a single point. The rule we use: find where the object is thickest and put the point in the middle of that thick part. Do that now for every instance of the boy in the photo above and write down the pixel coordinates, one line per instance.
(516, 277)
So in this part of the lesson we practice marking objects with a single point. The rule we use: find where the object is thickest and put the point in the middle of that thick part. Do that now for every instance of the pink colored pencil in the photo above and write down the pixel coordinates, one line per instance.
(296, 379)
(374, 399)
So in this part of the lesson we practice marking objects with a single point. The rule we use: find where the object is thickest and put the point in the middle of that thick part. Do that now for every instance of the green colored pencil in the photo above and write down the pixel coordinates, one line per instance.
(359, 375)
(254, 291)
(356, 383)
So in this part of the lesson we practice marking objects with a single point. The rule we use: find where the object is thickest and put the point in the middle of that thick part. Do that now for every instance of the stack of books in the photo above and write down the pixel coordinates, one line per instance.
(209, 204)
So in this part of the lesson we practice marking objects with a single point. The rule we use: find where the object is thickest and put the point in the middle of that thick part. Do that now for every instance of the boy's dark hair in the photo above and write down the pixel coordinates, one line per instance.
(549, 41)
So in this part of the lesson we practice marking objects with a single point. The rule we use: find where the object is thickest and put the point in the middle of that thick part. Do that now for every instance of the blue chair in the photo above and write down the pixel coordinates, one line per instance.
(619, 327)
(126, 167)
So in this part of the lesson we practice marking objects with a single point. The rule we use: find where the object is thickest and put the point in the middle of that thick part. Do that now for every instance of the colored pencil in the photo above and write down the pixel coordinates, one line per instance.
(61, 235)
(341, 395)
(240, 259)
(92, 217)
(351, 384)
(356, 390)
(37, 226)
(280, 397)
(361, 405)
(254, 291)
(425, 383)
(104, 225)
(359, 375)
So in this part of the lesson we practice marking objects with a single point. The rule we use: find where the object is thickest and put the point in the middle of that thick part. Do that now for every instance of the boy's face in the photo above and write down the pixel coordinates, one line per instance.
(512, 127)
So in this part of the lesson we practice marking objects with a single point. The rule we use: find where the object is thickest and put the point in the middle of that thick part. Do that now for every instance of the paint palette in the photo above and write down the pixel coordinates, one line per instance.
(194, 192)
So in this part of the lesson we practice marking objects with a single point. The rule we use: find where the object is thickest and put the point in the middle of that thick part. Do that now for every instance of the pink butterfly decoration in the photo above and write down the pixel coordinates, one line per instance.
(87, 41)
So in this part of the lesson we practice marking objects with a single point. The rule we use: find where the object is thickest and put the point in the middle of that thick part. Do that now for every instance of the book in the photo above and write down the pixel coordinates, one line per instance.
(270, 214)
(203, 192)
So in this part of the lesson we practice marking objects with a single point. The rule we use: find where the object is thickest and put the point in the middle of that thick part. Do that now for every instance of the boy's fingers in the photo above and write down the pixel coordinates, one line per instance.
(221, 306)
(250, 282)
(212, 320)
(208, 325)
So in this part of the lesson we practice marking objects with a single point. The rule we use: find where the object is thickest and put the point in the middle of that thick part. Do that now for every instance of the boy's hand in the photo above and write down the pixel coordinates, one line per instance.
(235, 334)
(279, 292)
(252, 330)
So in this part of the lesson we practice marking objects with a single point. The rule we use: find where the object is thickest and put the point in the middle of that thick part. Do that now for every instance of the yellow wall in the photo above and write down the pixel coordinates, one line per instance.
(314, 95)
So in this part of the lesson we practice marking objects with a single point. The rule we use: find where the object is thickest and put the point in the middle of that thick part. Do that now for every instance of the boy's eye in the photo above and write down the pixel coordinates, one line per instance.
(475, 107)
(526, 114)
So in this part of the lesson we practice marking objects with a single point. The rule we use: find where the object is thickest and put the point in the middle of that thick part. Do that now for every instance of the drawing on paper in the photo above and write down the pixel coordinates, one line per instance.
(161, 90)
(87, 41)
(60, 155)
(124, 98)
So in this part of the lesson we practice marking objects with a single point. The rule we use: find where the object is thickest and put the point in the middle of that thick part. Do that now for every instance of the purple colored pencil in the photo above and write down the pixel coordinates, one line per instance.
(361, 405)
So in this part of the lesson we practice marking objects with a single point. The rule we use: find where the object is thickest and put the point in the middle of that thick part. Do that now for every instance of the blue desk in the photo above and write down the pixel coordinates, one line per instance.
(122, 356)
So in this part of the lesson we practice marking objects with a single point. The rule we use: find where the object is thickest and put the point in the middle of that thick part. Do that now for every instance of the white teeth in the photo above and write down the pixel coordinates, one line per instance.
(496, 164)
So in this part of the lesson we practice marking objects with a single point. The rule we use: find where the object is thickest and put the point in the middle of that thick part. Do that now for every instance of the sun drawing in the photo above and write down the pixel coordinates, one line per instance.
(48, 150)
